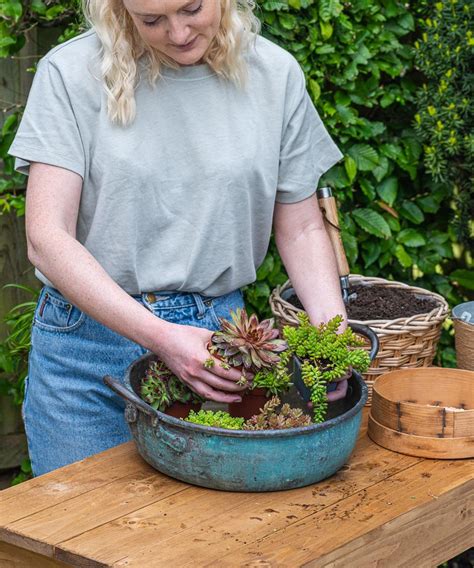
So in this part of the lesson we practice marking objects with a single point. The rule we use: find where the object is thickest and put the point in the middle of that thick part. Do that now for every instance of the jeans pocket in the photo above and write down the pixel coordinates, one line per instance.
(55, 313)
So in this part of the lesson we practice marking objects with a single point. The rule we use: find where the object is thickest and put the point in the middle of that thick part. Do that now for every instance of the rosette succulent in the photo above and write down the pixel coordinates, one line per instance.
(270, 418)
(160, 388)
(245, 342)
(276, 379)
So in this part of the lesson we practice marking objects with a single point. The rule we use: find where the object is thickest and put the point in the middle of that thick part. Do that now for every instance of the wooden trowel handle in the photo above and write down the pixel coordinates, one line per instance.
(327, 203)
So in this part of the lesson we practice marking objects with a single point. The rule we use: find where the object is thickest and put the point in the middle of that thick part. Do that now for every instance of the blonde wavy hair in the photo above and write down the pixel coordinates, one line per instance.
(122, 48)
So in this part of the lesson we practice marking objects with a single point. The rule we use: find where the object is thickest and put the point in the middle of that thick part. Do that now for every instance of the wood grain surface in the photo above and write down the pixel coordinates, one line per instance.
(422, 446)
(381, 509)
(14, 557)
(430, 402)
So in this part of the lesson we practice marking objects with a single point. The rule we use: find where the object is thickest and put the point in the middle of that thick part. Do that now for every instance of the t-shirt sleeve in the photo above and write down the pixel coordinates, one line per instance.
(307, 151)
(48, 130)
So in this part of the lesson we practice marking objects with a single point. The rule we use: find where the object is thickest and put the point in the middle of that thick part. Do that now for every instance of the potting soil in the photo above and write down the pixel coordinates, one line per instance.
(380, 302)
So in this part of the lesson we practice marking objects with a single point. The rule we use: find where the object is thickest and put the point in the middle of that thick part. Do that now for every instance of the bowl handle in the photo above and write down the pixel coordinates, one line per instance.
(128, 395)
(365, 330)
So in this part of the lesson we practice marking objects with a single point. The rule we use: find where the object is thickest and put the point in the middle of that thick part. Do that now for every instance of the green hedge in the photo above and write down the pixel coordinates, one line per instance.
(373, 94)
(374, 70)
(444, 119)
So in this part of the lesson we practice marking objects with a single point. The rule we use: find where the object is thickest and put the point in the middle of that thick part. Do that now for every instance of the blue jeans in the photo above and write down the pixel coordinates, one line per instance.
(68, 412)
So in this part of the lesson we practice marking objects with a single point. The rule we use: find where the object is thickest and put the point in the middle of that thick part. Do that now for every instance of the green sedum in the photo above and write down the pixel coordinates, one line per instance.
(325, 356)
(215, 419)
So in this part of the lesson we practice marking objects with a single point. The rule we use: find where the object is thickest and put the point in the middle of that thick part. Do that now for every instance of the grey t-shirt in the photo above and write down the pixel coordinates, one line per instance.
(183, 198)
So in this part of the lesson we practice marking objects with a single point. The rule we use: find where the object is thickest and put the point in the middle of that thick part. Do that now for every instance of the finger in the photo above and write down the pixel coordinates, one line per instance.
(231, 374)
(207, 378)
(339, 393)
(221, 384)
(348, 375)
(209, 393)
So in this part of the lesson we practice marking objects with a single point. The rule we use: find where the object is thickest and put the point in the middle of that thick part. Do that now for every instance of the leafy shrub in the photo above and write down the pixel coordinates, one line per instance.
(357, 73)
(444, 118)
(17, 18)
(14, 350)
(359, 58)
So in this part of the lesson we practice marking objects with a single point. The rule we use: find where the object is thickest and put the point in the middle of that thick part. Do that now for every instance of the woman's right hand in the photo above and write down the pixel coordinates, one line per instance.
(53, 199)
(183, 348)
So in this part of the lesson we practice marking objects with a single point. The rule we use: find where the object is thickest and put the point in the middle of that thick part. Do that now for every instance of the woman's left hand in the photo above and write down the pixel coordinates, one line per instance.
(341, 387)
(339, 393)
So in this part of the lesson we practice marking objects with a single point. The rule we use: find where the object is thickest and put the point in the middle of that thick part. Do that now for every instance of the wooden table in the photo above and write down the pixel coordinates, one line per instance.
(382, 509)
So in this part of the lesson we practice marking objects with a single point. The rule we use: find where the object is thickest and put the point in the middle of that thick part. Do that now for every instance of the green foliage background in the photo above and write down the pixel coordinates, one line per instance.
(374, 69)
(392, 81)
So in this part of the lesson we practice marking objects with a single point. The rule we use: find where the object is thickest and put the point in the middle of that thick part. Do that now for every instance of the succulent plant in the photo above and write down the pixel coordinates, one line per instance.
(325, 356)
(270, 418)
(276, 379)
(246, 342)
(161, 388)
(215, 419)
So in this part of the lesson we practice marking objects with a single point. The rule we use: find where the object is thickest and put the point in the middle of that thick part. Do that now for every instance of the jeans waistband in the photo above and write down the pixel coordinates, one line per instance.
(169, 300)
(164, 299)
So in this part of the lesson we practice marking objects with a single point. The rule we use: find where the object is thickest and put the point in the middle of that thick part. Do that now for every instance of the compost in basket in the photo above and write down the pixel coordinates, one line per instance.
(381, 302)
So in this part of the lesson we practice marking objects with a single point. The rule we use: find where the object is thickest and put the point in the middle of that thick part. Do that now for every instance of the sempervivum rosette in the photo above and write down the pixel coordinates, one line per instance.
(245, 342)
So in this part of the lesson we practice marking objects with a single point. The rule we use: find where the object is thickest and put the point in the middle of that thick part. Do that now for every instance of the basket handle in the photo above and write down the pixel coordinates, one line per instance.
(365, 330)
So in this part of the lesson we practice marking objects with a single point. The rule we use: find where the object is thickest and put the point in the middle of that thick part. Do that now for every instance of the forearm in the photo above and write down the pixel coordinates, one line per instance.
(311, 265)
(83, 281)
(52, 206)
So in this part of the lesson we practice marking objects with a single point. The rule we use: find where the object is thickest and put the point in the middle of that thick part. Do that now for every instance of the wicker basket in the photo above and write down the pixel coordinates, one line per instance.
(404, 342)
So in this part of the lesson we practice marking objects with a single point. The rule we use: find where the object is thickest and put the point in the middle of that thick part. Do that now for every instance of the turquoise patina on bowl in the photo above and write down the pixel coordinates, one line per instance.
(240, 460)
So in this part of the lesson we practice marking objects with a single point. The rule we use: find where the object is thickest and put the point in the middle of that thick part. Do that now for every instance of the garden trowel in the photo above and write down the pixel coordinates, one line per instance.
(327, 203)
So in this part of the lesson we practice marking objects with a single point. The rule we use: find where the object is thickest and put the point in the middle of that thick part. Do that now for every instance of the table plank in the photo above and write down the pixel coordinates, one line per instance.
(41, 531)
(114, 510)
(198, 518)
(63, 484)
(400, 501)
(417, 538)
(14, 557)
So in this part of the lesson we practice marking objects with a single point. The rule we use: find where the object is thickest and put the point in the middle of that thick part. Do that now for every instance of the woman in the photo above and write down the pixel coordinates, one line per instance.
(161, 145)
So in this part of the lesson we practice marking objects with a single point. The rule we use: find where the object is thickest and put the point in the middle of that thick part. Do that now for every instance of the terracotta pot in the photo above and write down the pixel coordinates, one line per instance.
(252, 401)
(182, 409)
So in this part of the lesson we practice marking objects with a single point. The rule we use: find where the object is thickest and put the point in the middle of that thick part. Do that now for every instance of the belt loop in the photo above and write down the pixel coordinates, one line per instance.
(200, 305)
